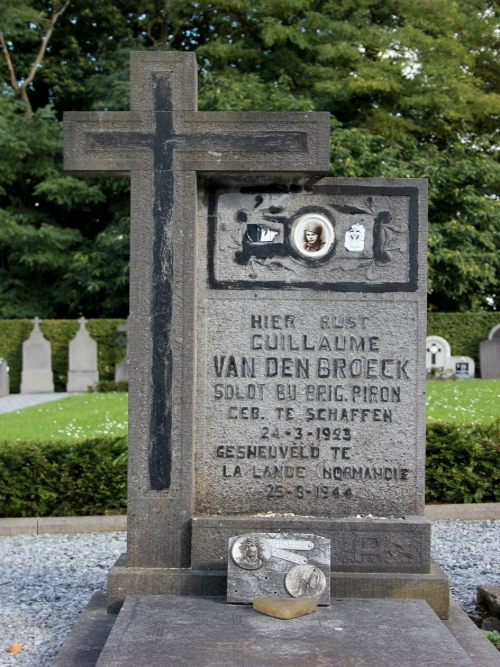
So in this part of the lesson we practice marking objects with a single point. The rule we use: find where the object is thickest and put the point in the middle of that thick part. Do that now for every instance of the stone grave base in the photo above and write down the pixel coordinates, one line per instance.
(356, 545)
(152, 631)
(124, 581)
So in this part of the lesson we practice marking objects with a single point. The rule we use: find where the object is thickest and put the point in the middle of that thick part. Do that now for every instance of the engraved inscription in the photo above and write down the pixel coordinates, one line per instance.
(308, 411)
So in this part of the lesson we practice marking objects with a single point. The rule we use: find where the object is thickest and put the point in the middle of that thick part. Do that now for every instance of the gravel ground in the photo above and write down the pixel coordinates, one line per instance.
(46, 580)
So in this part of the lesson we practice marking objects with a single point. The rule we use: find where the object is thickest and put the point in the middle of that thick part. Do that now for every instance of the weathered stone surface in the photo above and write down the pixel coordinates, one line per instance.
(278, 565)
(36, 376)
(285, 608)
(357, 545)
(82, 372)
(4, 378)
(210, 633)
(123, 581)
(162, 142)
(88, 636)
(490, 594)
(432, 587)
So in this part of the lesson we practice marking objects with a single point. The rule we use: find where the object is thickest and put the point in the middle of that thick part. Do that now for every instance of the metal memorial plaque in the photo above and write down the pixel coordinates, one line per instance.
(278, 565)
(310, 372)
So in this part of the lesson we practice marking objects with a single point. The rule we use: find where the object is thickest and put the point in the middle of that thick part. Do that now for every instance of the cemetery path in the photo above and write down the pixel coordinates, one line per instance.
(14, 402)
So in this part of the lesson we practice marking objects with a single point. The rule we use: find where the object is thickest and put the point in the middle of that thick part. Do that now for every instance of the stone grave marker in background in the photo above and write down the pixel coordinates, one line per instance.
(4, 378)
(440, 361)
(276, 338)
(489, 354)
(36, 376)
(82, 372)
(121, 368)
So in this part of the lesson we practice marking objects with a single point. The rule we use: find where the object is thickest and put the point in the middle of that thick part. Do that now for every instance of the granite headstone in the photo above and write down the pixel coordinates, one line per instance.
(276, 336)
(489, 354)
(4, 378)
(121, 368)
(82, 372)
(36, 376)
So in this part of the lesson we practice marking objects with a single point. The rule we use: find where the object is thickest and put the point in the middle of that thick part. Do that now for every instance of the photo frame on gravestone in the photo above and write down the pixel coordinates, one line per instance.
(280, 565)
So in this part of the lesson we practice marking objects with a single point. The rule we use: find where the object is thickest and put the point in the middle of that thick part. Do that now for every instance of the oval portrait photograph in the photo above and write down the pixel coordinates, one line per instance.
(313, 235)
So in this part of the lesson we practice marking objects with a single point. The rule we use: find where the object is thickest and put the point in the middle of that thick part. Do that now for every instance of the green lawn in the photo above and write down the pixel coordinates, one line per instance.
(70, 418)
(87, 415)
(463, 400)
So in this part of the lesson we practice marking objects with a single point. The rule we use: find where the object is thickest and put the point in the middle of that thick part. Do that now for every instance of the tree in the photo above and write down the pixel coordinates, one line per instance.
(413, 89)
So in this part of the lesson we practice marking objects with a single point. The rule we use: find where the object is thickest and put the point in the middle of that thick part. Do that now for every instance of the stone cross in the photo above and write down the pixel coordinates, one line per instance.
(163, 143)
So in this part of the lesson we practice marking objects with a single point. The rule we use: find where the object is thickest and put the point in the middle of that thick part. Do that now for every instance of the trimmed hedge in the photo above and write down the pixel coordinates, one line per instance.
(59, 332)
(90, 477)
(463, 463)
(63, 479)
(463, 331)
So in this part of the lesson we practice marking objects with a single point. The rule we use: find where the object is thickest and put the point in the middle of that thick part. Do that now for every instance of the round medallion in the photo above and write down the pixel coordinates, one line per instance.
(251, 551)
(305, 581)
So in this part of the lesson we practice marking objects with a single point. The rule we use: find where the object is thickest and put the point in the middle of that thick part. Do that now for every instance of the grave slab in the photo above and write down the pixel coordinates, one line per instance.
(152, 631)
(85, 643)
(125, 580)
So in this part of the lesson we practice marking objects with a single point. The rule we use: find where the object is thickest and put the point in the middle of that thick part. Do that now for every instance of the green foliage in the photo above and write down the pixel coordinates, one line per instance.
(413, 89)
(62, 479)
(463, 331)
(107, 386)
(463, 401)
(58, 478)
(463, 462)
(59, 332)
(493, 636)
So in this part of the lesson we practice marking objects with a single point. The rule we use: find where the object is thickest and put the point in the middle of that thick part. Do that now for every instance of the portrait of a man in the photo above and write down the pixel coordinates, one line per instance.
(313, 238)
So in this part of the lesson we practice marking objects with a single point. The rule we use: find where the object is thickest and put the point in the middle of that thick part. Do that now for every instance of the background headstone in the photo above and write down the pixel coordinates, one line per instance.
(494, 333)
(36, 376)
(121, 368)
(82, 372)
(489, 355)
(440, 362)
(4, 378)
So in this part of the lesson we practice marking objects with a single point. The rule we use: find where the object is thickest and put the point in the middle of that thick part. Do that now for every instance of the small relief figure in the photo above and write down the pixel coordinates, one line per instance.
(355, 238)
(305, 581)
(251, 552)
